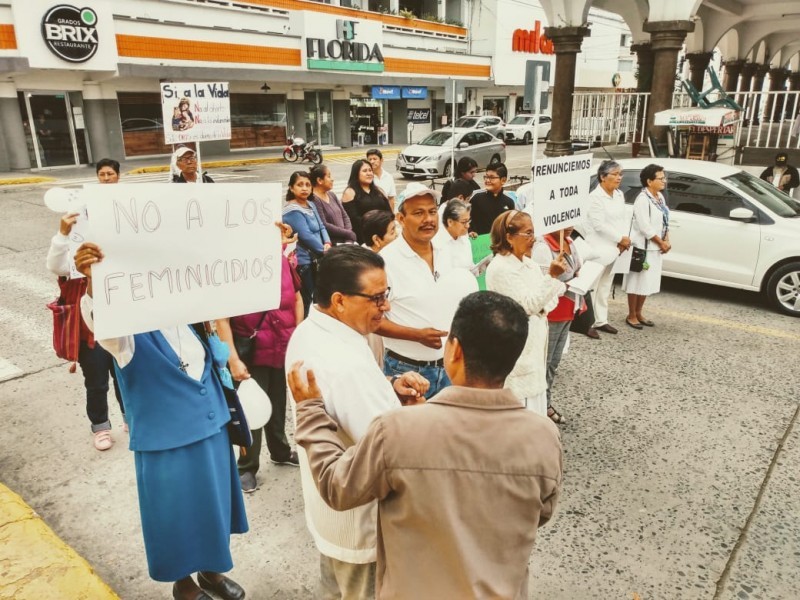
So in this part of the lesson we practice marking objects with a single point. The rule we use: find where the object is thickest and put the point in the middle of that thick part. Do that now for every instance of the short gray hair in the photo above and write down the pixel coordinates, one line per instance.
(453, 210)
(606, 167)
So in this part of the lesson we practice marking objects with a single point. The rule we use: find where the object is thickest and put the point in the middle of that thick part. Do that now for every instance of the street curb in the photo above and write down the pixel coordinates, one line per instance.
(24, 180)
(36, 563)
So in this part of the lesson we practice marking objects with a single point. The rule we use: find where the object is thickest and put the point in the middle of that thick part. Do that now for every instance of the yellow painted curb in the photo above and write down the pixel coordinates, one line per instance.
(243, 162)
(36, 563)
(22, 180)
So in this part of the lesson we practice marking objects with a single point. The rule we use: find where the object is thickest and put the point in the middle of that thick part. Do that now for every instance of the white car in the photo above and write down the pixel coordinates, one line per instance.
(431, 156)
(492, 124)
(727, 227)
(520, 128)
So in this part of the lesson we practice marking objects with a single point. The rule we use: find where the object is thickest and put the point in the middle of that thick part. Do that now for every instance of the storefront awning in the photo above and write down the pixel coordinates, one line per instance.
(705, 117)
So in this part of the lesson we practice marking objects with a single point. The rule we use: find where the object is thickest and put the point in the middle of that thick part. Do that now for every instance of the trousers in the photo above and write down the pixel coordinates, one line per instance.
(601, 295)
(96, 366)
(557, 335)
(435, 375)
(345, 581)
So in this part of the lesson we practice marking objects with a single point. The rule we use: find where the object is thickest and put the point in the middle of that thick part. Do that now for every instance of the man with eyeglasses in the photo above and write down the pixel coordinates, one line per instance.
(352, 297)
(186, 161)
(492, 201)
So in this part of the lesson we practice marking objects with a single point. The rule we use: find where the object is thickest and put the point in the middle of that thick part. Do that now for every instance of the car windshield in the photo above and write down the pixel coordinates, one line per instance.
(766, 194)
(467, 122)
(437, 138)
(519, 121)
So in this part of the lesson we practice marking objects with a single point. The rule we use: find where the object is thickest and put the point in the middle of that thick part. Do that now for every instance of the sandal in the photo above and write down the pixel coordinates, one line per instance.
(102, 440)
(555, 416)
(646, 322)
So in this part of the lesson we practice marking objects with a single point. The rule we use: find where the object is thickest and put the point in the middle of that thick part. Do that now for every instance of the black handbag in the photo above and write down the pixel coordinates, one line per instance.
(245, 346)
(638, 259)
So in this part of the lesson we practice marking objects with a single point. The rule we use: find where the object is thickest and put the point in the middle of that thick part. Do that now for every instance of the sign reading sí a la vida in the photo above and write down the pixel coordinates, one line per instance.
(195, 112)
(178, 254)
(561, 188)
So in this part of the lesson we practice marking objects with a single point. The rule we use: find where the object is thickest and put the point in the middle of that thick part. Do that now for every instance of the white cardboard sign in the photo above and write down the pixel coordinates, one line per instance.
(178, 254)
(195, 112)
(561, 192)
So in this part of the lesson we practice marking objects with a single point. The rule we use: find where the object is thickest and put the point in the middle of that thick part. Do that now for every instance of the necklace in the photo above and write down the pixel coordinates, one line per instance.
(181, 365)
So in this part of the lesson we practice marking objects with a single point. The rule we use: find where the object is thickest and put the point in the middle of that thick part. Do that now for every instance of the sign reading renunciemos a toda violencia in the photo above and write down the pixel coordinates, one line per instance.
(177, 254)
(560, 192)
(195, 112)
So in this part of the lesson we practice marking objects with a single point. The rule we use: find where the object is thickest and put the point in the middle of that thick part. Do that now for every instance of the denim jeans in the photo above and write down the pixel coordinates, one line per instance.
(307, 288)
(96, 365)
(557, 334)
(435, 375)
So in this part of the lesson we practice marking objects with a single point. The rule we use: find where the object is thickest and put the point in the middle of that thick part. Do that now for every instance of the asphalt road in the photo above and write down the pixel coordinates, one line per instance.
(681, 449)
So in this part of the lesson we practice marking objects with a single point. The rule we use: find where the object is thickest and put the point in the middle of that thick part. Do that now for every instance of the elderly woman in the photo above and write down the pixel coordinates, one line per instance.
(330, 208)
(454, 235)
(514, 274)
(362, 195)
(190, 498)
(650, 232)
(606, 230)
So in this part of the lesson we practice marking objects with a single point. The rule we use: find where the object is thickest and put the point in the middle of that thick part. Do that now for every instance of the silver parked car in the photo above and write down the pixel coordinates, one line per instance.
(431, 156)
(493, 125)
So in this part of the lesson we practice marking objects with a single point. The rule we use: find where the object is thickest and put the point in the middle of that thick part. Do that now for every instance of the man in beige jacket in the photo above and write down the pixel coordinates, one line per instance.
(463, 481)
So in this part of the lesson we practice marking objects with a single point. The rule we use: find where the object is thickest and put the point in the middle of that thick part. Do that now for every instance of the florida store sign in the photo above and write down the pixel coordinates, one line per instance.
(350, 46)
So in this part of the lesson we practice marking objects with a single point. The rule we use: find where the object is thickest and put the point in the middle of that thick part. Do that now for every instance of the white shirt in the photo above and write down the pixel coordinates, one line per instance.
(386, 183)
(459, 249)
(420, 298)
(355, 392)
(605, 223)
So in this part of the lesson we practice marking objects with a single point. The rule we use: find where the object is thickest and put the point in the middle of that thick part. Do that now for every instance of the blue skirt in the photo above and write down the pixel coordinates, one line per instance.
(191, 502)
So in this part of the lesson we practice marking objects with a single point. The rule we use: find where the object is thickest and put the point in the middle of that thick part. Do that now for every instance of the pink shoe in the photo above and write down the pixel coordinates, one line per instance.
(102, 440)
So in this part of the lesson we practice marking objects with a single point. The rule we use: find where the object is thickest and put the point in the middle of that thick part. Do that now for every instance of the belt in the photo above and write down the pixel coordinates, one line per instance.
(416, 363)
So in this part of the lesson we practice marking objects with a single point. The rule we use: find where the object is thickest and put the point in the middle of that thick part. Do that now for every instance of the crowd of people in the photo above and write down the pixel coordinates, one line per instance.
(407, 382)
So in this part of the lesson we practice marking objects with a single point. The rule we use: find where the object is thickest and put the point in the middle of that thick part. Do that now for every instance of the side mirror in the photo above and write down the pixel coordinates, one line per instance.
(480, 125)
(463, 145)
(745, 215)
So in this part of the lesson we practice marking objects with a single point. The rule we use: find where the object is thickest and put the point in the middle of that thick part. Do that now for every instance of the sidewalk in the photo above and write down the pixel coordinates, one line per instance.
(36, 563)
(160, 164)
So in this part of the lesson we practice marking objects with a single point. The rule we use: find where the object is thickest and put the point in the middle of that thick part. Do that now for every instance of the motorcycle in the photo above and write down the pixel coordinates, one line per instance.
(298, 149)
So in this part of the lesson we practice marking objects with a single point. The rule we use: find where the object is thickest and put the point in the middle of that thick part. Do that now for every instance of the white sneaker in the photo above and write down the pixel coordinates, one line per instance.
(103, 440)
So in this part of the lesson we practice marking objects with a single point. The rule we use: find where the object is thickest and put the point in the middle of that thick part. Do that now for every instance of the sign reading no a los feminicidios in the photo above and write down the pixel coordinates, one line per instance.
(560, 192)
(195, 112)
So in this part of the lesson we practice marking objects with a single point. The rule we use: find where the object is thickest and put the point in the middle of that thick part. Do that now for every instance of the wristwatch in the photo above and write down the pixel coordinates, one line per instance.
(392, 379)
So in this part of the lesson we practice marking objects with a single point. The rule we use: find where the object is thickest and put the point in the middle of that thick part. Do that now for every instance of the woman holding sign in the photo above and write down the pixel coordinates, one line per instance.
(190, 498)
(514, 274)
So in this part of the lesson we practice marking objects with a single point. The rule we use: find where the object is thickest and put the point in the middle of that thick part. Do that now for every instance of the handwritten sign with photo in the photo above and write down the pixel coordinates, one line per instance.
(195, 112)
(560, 192)
(178, 254)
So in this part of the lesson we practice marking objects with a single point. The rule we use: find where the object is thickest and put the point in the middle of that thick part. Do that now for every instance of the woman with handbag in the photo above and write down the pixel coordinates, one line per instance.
(362, 195)
(330, 208)
(258, 343)
(312, 237)
(650, 240)
(190, 498)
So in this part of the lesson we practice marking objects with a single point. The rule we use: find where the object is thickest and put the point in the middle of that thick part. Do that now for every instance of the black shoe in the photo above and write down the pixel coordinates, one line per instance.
(607, 329)
(634, 325)
(248, 480)
(199, 595)
(292, 460)
(227, 589)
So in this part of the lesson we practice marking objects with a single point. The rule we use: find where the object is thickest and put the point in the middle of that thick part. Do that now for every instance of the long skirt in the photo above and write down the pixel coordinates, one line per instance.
(645, 283)
(191, 502)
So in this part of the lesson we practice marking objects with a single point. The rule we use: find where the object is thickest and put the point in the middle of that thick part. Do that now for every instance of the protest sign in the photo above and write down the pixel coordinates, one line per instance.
(195, 112)
(481, 249)
(561, 192)
(177, 254)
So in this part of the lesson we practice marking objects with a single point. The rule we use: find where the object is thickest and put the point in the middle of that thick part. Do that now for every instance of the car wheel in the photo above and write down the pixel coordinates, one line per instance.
(783, 289)
(407, 175)
(446, 171)
(495, 159)
(527, 139)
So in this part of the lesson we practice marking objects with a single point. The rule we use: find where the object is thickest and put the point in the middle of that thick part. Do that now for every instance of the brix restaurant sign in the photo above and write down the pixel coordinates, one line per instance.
(344, 53)
(532, 42)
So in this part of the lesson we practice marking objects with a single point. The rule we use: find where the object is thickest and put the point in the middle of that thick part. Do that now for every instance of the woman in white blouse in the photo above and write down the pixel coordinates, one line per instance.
(454, 233)
(513, 273)
(649, 231)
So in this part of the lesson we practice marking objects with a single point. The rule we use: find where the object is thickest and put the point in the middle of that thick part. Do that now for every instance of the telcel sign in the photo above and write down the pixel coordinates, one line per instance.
(71, 33)
(345, 53)
(532, 42)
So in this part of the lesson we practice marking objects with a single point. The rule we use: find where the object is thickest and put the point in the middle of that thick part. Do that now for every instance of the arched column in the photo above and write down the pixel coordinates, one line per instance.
(567, 43)
(777, 83)
(758, 85)
(730, 78)
(698, 63)
(666, 38)
(644, 62)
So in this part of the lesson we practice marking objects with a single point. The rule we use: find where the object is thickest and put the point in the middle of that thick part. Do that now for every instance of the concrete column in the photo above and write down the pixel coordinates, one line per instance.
(398, 125)
(748, 70)
(295, 116)
(777, 83)
(794, 81)
(14, 147)
(667, 39)
(730, 78)
(341, 123)
(567, 42)
(644, 60)
(698, 63)
(758, 85)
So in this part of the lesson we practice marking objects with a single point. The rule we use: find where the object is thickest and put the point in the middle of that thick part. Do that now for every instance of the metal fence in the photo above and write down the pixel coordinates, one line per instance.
(609, 118)
(769, 120)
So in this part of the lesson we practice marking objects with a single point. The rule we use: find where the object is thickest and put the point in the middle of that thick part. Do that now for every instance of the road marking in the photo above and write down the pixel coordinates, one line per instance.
(35, 285)
(730, 324)
(8, 370)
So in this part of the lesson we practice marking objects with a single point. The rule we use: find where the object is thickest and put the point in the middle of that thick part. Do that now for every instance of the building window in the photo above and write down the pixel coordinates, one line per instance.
(258, 120)
(625, 66)
(142, 125)
(625, 40)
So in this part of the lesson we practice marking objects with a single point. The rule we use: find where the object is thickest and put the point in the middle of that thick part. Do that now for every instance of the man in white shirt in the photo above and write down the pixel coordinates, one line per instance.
(352, 297)
(425, 291)
(606, 229)
(383, 179)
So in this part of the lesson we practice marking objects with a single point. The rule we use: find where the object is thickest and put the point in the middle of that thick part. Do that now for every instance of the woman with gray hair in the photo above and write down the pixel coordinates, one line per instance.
(454, 233)
(606, 230)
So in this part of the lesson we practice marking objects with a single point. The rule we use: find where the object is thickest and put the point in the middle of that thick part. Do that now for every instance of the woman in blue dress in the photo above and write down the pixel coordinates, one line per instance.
(190, 497)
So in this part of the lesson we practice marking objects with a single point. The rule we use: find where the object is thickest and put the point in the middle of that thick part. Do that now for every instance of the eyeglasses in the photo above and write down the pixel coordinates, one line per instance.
(527, 234)
(188, 159)
(378, 299)
(662, 178)
(463, 222)
(490, 177)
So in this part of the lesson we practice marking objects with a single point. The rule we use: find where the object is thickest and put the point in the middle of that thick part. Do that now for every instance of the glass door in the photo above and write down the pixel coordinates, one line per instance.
(319, 117)
(50, 129)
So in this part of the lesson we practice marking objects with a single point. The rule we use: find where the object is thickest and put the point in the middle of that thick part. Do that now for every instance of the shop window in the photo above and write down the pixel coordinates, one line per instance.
(142, 125)
(258, 120)
(381, 6)
(366, 118)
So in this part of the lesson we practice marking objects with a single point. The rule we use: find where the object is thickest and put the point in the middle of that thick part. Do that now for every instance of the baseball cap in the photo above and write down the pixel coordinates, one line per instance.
(415, 189)
(781, 158)
(183, 150)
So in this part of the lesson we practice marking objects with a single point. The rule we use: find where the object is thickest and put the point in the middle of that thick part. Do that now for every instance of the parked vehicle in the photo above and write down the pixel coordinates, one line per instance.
(493, 125)
(299, 149)
(431, 156)
(520, 128)
(728, 228)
